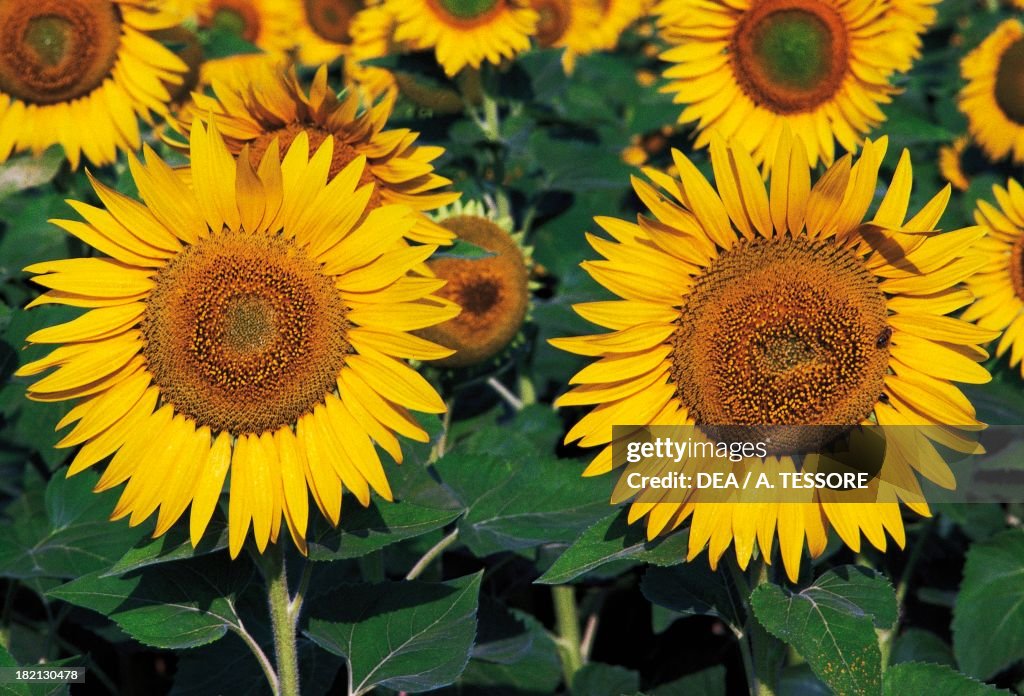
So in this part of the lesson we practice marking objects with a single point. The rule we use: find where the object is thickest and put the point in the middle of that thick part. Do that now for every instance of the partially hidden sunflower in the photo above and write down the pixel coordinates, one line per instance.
(951, 166)
(781, 307)
(999, 286)
(993, 98)
(79, 73)
(372, 32)
(493, 291)
(269, 25)
(616, 17)
(268, 104)
(324, 31)
(749, 68)
(248, 328)
(567, 24)
(910, 18)
(464, 32)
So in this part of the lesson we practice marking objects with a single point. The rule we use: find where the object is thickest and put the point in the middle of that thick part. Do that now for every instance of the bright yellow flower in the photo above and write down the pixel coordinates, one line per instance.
(266, 104)
(253, 323)
(999, 287)
(951, 163)
(993, 98)
(750, 68)
(464, 32)
(781, 307)
(616, 17)
(568, 24)
(79, 73)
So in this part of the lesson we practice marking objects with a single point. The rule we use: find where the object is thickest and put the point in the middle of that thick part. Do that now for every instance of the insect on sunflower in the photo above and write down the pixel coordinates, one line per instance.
(251, 327)
(789, 306)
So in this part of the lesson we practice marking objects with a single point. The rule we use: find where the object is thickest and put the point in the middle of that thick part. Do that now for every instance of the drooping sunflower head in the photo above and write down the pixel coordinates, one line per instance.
(268, 104)
(746, 69)
(254, 323)
(993, 98)
(999, 287)
(464, 32)
(781, 307)
(493, 291)
(568, 24)
(79, 73)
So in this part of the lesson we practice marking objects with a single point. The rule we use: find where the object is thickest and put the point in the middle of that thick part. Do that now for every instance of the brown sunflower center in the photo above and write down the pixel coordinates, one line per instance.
(555, 17)
(493, 292)
(782, 332)
(330, 19)
(1010, 82)
(465, 12)
(244, 334)
(238, 16)
(343, 153)
(1017, 266)
(56, 50)
(790, 55)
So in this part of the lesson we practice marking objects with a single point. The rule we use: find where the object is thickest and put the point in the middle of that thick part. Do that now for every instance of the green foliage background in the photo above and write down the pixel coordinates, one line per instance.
(526, 581)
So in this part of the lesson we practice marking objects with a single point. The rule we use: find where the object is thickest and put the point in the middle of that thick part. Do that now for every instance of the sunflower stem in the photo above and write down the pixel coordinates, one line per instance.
(435, 551)
(759, 650)
(283, 622)
(567, 621)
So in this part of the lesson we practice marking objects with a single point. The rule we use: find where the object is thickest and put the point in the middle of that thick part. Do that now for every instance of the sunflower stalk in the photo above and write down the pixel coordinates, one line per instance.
(567, 623)
(759, 650)
(284, 614)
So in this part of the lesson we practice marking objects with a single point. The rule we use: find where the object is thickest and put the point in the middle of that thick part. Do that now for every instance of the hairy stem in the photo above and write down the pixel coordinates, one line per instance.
(283, 622)
(567, 621)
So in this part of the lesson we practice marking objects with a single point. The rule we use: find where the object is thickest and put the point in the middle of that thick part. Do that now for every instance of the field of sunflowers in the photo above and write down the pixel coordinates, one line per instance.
(324, 325)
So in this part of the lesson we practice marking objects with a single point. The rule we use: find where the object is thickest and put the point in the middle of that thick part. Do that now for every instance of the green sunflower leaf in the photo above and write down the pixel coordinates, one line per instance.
(515, 503)
(190, 604)
(832, 625)
(65, 532)
(596, 679)
(934, 680)
(692, 589)
(365, 530)
(408, 636)
(612, 539)
(175, 545)
(988, 615)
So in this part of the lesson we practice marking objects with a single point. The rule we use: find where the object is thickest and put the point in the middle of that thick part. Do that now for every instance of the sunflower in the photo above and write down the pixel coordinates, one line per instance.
(568, 24)
(247, 324)
(616, 17)
(781, 307)
(269, 25)
(372, 33)
(325, 29)
(993, 98)
(268, 104)
(748, 68)
(951, 163)
(493, 291)
(999, 287)
(464, 32)
(910, 18)
(79, 73)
